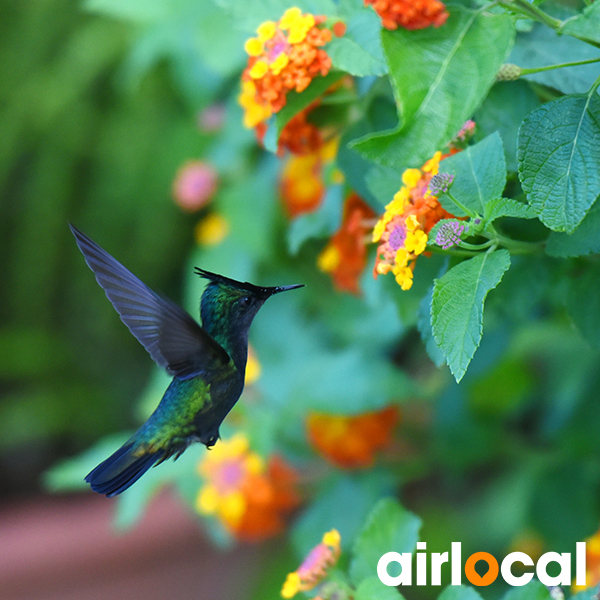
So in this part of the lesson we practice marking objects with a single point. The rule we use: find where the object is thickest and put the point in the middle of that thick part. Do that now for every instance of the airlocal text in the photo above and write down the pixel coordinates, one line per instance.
(505, 569)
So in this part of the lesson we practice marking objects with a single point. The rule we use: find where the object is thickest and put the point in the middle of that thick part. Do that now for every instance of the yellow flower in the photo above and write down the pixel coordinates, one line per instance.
(290, 16)
(266, 30)
(253, 47)
(415, 242)
(254, 113)
(253, 368)
(211, 230)
(404, 277)
(411, 177)
(300, 28)
(291, 585)
(329, 259)
(259, 69)
(280, 63)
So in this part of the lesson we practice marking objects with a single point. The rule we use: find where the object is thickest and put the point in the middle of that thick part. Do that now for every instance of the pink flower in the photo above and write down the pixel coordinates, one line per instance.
(194, 185)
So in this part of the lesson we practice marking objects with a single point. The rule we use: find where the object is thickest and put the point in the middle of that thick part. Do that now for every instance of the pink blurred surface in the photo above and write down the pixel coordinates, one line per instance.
(65, 548)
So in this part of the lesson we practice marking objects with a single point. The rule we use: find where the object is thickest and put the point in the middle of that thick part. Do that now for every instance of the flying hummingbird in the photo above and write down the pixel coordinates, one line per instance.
(208, 363)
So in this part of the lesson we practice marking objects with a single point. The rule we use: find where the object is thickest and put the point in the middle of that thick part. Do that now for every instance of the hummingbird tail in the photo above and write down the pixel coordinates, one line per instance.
(121, 470)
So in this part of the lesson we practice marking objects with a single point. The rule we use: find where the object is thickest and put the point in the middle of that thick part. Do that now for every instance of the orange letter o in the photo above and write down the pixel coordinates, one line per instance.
(473, 576)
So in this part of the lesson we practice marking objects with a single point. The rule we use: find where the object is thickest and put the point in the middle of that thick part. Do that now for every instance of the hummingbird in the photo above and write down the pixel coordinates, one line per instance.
(207, 362)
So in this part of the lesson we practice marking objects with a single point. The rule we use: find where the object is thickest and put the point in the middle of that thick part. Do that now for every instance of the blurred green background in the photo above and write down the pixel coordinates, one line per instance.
(80, 141)
(97, 113)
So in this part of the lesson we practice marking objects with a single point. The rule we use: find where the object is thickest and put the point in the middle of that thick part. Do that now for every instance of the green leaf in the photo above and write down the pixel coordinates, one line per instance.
(389, 527)
(534, 590)
(507, 207)
(586, 25)
(559, 159)
(428, 69)
(583, 241)
(295, 103)
(504, 109)
(424, 327)
(544, 47)
(583, 304)
(457, 306)
(359, 50)
(372, 589)
(479, 175)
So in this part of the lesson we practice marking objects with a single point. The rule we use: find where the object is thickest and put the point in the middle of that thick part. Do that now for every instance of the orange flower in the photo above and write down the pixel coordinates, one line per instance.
(302, 186)
(345, 256)
(351, 442)
(408, 218)
(314, 567)
(284, 56)
(250, 497)
(410, 14)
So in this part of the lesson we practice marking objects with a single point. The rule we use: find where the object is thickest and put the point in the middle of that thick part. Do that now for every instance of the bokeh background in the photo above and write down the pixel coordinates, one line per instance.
(103, 104)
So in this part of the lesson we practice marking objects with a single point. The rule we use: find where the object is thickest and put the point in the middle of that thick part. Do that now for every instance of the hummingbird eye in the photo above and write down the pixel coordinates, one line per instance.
(245, 301)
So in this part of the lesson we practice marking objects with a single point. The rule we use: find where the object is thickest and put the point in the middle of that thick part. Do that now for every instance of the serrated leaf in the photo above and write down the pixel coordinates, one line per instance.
(359, 52)
(479, 175)
(457, 306)
(507, 207)
(559, 159)
(389, 527)
(583, 241)
(372, 589)
(295, 103)
(428, 69)
(586, 25)
(583, 304)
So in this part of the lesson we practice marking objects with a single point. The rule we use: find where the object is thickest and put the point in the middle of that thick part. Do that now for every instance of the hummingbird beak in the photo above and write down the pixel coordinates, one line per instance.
(283, 288)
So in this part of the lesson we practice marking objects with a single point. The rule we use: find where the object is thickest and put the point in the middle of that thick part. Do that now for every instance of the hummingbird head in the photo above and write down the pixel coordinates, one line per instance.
(229, 306)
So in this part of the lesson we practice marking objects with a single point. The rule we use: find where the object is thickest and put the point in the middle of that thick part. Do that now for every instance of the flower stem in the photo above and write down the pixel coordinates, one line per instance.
(483, 246)
(551, 67)
(531, 11)
(460, 205)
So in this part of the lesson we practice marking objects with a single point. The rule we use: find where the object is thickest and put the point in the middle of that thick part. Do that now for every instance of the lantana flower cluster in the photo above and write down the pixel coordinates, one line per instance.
(401, 233)
(286, 55)
(410, 14)
(315, 566)
(250, 496)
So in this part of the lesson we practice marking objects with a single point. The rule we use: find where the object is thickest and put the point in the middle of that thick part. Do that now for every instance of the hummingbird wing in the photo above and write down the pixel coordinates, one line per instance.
(172, 337)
